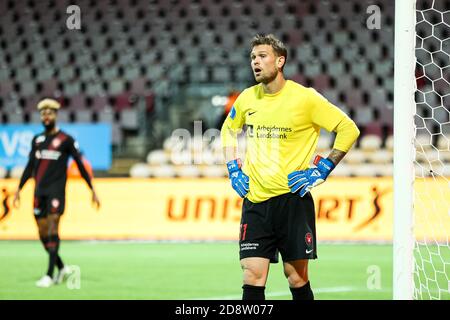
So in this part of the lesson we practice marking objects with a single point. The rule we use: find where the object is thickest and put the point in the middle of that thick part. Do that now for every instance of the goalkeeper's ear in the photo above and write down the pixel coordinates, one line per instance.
(281, 61)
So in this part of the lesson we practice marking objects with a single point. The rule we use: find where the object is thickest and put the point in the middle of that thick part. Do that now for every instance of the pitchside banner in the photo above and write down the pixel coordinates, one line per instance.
(94, 141)
(208, 209)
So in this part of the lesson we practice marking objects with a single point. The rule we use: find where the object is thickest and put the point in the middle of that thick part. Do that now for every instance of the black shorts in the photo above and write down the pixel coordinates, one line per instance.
(284, 224)
(45, 205)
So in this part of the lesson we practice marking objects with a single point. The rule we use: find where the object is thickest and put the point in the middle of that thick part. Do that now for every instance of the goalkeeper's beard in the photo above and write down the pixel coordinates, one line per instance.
(269, 78)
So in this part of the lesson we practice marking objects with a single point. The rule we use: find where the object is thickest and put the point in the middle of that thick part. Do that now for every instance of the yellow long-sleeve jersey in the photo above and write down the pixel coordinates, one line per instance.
(282, 133)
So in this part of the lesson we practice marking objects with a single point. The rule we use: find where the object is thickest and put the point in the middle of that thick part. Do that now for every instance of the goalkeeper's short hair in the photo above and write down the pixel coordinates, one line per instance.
(277, 45)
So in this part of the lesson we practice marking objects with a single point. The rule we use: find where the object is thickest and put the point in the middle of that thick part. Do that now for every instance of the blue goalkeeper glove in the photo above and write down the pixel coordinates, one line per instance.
(305, 180)
(239, 180)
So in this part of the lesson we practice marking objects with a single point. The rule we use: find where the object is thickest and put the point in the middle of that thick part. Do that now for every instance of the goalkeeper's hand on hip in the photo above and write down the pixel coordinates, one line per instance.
(304, 180)
(239, 180)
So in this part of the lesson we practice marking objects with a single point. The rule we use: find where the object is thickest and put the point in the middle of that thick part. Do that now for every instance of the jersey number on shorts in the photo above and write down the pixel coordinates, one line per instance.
(243, 231)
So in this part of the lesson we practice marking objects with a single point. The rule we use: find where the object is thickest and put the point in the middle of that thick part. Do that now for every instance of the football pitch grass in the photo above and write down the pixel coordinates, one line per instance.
(172, 271)
(191, 270)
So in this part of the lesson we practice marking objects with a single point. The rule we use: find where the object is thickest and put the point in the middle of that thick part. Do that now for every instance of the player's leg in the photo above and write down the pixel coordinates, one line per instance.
(255, 271)
(47, 240)
(297, 242)
(57, 206)
(42, 223)
(53, 248)
(296, 273)
(257, 249)
(53, 242)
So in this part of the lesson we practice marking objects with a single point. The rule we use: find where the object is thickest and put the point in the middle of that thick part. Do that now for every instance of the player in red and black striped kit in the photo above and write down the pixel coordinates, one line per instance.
(47, 164)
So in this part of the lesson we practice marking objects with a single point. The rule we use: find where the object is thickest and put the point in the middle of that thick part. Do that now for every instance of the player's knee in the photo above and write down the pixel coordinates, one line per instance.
(252, 275)
(43, 233)
(296, 279)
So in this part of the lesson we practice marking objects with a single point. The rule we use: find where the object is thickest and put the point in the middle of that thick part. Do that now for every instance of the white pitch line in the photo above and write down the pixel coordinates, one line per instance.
(283, 293)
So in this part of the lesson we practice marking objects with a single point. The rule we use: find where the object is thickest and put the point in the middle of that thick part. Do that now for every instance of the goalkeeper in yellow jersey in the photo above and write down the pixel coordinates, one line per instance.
(283, 121)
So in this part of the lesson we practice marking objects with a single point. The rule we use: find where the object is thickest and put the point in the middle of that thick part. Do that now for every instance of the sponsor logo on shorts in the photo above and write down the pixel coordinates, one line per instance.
(249, 246)
(309, 251)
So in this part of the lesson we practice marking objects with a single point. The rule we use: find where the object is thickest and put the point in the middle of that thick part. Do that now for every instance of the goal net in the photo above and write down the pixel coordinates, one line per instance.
(431, 191)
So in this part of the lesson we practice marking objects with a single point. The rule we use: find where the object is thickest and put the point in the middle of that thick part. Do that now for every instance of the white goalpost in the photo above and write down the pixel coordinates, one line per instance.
(404, 107)
(421, 251)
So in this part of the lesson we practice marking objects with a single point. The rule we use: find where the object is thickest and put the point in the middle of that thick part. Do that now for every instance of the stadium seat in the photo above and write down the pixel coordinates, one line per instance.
(370, 143)
(164, 171)
(327, 52)
(389, 143)
(438, 168)
(364, 115)
(208, 157)
(140, 170)
(427, 156)
(16, 117)
(49, 87)
(381, 156)
(157, 157)
(324, 142)
(184, 157)
(423, 141)
(4, 72)
(100, 103)
(385, 170)
(331, 94)
(106, 115)
(355, 157)
(23, 74)
(446, 170)
(374, 128)
(117, 135)
(6, 87)
(342, 170)
(83, 115)
(129, 119)
(312, 68)
(171, 143)
(443, 143)
(187, 171)
(305, 52)
(365, 170)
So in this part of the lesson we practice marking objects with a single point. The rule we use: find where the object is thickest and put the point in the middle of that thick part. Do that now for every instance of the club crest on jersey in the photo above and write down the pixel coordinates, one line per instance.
(308, 239)
(56, 142)
(55, 203)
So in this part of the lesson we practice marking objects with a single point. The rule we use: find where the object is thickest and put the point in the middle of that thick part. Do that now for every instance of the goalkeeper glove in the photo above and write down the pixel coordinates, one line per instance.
(305, 180)
(239, 180)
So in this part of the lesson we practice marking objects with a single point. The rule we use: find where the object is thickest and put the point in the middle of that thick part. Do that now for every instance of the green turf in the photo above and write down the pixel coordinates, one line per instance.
(128, 270)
